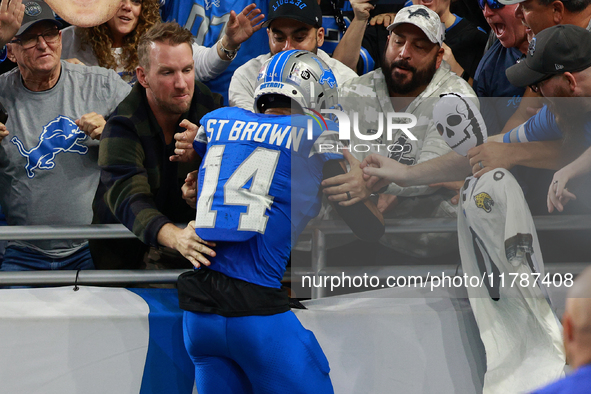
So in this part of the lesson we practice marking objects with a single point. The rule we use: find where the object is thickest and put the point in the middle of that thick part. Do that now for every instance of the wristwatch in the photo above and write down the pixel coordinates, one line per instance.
(231, 54)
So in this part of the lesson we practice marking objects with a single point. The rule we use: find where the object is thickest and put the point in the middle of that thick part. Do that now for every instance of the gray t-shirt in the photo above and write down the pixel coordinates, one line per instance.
(48, 166)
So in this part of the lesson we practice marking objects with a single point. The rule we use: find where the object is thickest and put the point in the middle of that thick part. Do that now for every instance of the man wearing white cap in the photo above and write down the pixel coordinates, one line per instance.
(410, 81)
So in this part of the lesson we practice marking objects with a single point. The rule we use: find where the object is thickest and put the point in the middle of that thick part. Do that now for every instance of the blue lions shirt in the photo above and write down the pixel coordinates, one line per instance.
(246, 202)
(579, 382)
(541, 127)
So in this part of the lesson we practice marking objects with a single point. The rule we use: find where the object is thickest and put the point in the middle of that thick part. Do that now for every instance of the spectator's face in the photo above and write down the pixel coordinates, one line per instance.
(556, 86)
(286, 34)
(439, 6)
(41, 59)
(508, 29)
(535, 16)
(85, 13)
(126, 19)
(410, 59)
(169, 79)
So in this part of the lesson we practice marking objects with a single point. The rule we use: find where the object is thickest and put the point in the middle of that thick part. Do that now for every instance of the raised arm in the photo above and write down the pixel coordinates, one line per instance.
(347, 51)
(211, 62)
(538, 154)
(11, 17)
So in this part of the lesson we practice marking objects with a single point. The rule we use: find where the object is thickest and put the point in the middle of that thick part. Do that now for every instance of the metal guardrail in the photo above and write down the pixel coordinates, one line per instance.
(89, 277)
(328, 227)
(91, 231)
(319, 230)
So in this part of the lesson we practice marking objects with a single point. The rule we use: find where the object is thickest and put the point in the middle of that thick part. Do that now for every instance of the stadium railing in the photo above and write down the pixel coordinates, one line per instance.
(318, 232)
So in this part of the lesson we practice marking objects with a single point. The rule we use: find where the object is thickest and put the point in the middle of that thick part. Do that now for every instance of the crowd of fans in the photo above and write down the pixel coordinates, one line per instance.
(98, 113)
(437, 47)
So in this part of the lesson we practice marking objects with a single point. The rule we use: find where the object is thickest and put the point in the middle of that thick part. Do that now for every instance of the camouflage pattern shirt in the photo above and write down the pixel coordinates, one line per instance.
(368, 96)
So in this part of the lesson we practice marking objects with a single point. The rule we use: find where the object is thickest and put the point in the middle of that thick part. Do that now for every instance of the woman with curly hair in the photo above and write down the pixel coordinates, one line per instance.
(113, 44)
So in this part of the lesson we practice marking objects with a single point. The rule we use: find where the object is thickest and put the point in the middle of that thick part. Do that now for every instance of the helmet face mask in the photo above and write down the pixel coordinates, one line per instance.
(299, 75)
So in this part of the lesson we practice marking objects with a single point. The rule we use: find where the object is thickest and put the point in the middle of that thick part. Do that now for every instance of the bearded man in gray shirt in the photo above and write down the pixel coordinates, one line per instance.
(49, 147)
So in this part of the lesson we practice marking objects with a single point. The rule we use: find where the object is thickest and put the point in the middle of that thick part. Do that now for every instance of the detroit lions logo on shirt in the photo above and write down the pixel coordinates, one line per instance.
(59, 135)
(211, 3)
(327, 75)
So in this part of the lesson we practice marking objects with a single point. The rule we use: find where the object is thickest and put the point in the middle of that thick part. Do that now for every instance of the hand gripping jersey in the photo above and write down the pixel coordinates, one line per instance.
(258, 187)
(499, 245)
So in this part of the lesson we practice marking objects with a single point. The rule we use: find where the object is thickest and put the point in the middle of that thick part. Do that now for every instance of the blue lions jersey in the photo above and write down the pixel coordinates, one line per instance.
(259, 185)
(206, 19)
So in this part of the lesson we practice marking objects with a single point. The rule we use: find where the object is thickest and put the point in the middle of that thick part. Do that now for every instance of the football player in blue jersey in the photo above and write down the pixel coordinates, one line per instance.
(259, 185)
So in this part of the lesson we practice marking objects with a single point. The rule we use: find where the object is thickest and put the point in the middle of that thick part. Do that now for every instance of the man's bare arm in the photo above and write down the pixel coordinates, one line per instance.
(347, 51)
(538, 154)
(529, 105)
(380, 171)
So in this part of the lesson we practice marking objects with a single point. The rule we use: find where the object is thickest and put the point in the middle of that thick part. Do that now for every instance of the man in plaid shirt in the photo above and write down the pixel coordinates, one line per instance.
(139, 186)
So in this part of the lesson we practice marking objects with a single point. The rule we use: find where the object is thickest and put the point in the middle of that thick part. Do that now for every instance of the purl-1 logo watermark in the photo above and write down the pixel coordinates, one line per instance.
(391, 125)
(387, 124)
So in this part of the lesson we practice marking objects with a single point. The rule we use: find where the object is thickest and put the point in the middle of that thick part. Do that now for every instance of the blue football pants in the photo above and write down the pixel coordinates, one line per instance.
(255, 354)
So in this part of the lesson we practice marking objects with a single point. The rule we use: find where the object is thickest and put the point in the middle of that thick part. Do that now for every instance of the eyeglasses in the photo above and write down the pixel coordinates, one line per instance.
(28, 41)
(492, 4)
(536, 86)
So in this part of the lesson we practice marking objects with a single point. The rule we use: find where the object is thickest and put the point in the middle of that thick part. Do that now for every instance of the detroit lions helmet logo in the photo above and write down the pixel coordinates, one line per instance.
(59, 135)
(327, 75)
(484, 200)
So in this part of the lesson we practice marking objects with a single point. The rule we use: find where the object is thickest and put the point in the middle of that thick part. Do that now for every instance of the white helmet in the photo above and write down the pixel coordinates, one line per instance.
(298, 75)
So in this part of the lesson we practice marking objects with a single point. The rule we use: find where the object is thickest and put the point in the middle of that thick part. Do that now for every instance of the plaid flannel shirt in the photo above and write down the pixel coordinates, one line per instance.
(133, 157)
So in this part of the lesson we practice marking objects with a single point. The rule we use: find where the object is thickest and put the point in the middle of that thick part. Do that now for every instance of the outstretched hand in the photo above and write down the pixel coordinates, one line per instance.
(383, 19)
(242, 26)
(558, 194)
(11, 17)
(190, 245)
(378, 171)
(347, 189)
(488, 156)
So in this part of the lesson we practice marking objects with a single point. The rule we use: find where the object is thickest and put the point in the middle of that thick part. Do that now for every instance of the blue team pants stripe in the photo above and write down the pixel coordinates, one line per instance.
(168, 368)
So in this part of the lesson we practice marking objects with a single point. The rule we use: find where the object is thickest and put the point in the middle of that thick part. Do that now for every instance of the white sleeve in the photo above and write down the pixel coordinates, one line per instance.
(241, 90)
(208, 63)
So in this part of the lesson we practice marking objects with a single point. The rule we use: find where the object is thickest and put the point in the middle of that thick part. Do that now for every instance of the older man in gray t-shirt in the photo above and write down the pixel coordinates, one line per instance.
(48, 161)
